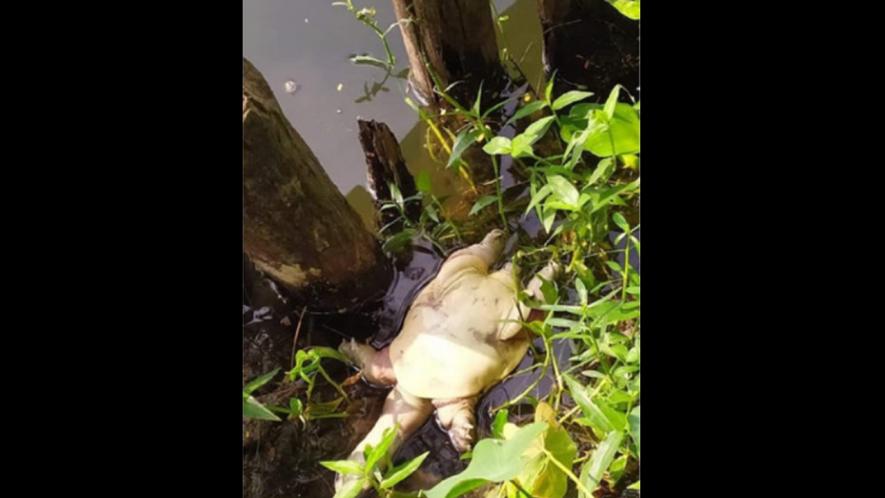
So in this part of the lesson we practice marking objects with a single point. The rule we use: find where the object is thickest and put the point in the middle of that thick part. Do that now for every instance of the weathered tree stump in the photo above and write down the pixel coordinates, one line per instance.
(457, 40)
(385, 166)
(298, 228)
(590, 45)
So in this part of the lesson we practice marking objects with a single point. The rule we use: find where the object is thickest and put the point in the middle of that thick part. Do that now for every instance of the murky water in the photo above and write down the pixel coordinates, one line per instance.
(302, 48)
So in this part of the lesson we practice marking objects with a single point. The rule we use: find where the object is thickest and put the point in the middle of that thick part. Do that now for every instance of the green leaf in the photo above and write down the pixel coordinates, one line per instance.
(604, 169)
(431, 211)
(629, 8)
(541, 477)
(635, 485)
(599, 414)
(481, 203)
(344, 466)
(591, 474)
(538, 197)
(260, 381)
(398, 241)
(619, 220)
(569, 98)
(522, 146)
(324, 352)
(612, 100)
(563, 189)
(623, 130)
(423, 181)
(548, 90)
(526, 110)
(295, 407)
(537, 129)
(633, 419)
(402, 471)
(369, 61)
(497, 145)
(498, 423)
(464, 139)
(374, 455)
(548, 219)
(582, 290)
(493, 460)
(353, 489)
(253, 409)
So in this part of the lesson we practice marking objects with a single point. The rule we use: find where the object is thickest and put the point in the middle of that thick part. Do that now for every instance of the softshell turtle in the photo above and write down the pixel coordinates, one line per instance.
(460, 337)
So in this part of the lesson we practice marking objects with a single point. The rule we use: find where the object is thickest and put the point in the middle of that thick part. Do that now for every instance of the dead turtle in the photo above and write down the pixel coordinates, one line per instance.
(460, 337)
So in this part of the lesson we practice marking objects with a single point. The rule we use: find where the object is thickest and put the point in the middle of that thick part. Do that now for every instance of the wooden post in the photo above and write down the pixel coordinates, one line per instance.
(590, 45)
(298, 228)
(457, 39)
(386, 165)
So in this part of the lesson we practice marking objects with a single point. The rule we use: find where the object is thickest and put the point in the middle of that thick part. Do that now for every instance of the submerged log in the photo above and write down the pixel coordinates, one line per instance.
(457, 40)
(298, 228)
(590, 45)
(385, 166)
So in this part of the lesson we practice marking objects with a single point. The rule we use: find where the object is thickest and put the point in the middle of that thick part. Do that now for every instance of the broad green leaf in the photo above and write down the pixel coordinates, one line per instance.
(259, 381)
(635, 485)
(252, 408)
(481, 203)
(462, 142)
(594, 469)
(541, 477)
(526, 110)
(493, 460)
(629, 8)
(569, 98)
(634, 427)
(623, 130)
(563, 189)
(402, 471)
(537, 129)
(522, 146)
(343, 466)
(375, 454)
(497, 145)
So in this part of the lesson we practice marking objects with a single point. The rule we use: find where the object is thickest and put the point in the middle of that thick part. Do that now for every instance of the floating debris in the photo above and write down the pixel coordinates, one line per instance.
(306, 21)
(338, 111)
(291, 86)
(340, 86)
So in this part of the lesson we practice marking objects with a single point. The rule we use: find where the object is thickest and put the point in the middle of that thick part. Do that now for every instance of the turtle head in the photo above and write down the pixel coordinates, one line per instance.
(494, 241)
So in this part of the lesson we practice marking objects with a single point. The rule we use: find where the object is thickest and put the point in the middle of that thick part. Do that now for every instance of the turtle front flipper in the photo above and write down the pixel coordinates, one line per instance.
(401, 410)
(458, 419)
(374, 365)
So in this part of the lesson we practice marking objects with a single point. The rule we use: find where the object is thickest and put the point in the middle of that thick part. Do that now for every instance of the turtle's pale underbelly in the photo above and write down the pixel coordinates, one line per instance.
(449, 347)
